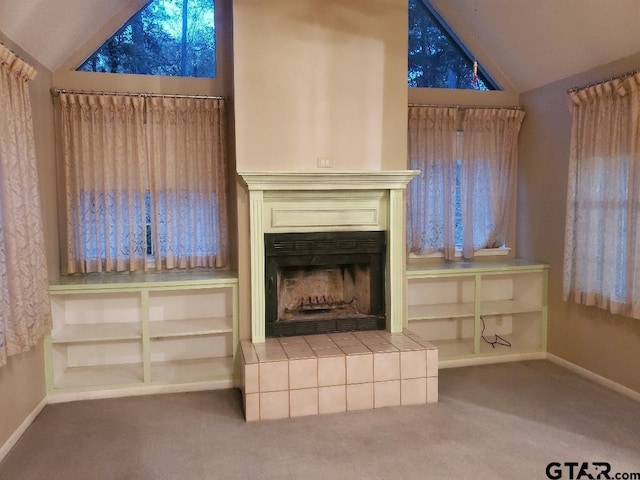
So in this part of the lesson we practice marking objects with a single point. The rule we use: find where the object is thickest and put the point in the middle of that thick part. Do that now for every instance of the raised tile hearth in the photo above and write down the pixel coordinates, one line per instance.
(319, 374)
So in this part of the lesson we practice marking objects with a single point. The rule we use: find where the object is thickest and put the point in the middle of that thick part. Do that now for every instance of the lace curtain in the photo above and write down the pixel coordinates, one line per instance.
(25, 314)
(464, 195)
(430, 195)
(602, 241)
(104, 182)
(488, 176)
(143, 177)
(187, 152)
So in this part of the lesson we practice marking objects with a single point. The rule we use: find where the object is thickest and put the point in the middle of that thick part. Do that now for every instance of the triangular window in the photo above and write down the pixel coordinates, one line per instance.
(167, 37)
(437, 57)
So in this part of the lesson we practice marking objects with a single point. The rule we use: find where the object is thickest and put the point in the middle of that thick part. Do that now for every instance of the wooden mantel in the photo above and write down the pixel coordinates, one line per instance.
(328, 201)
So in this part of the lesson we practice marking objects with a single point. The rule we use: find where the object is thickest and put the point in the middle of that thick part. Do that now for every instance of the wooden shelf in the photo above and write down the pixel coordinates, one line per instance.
(190, 327)
(519, 344)
(452, 349)
(100, 376)
(509, 298)
(163, 319)
(507, 307)
(98, 332)
(444, 310)
(198, 370)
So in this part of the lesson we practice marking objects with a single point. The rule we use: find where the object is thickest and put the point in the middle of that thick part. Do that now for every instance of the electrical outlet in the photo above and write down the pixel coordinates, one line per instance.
(499, 322)
(325, 162)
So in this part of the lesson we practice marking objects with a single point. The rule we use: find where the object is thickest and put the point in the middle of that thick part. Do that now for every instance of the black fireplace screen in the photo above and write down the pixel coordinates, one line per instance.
(324, 282)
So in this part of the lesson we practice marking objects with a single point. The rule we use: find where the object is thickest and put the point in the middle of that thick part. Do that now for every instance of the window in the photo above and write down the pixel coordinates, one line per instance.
(143, 176)
(602, 240)
(166, 37)
(463, 197)
(437, 58)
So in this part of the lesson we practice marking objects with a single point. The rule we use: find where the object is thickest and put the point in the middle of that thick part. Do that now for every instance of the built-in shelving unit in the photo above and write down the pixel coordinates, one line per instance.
(461, 307)
(130, 333)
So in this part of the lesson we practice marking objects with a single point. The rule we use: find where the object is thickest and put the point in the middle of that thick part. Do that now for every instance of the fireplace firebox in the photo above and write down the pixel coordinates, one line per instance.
(324, 282)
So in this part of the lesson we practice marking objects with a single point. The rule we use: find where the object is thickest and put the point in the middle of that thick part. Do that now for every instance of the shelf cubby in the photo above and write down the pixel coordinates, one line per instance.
(118, 332)
(459, 306)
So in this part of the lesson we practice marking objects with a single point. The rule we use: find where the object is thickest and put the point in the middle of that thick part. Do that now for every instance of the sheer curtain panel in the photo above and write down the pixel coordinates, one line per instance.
(488, 176)
(187, 161)
(144, 179)
(25, 314)
(104, 182)
(602, 240)
(465, 193)
(431, 194)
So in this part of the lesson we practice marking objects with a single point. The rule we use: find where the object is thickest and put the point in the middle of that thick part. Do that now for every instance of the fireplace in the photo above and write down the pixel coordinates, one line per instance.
(283, 203)
(324, 282)
(327, 254)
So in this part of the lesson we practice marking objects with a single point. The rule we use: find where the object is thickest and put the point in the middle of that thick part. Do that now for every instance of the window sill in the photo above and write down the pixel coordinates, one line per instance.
(485, 252)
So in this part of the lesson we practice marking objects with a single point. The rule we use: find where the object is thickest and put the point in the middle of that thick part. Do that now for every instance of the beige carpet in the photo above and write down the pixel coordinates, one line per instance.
(505, 421)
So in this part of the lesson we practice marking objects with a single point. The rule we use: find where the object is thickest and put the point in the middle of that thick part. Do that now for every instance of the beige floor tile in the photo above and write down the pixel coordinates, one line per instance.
(359, 368)
(303, 373)
(413, 391)
(355, 350)
(347, 341)
(332, 399)
(248, 352)
(328, 352)
(270, 353)
(251, 378)
(298, 350)
(413, 364)
(432, 389)
(252, 407)
(303, 402)
(331, 371)
(432, 363)
(386, 366)
(360, 396)
(382, 348)
(274, 376)
(386, 394)
(292, 340)
(319, 341)
(274, 405)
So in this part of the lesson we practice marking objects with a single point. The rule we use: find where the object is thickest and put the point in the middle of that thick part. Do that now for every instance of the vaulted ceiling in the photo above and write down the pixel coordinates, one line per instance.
(523, 43)
(535, 42)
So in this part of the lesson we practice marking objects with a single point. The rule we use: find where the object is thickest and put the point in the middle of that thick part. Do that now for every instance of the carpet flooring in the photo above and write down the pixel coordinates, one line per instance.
(502, 421)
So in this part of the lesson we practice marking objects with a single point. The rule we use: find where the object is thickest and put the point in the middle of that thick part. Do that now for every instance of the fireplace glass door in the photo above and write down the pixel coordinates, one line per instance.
(324, 282)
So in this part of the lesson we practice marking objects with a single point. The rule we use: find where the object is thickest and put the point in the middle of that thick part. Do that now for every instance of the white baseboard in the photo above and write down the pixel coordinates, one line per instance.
(489, 359)
(15, 436)
(73, 396)
(583, 372)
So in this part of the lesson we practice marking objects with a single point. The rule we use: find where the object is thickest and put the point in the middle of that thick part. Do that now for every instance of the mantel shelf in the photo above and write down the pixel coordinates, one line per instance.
(335, 180)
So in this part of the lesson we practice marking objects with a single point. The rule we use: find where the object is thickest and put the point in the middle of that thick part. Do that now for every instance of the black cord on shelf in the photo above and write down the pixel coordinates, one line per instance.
(498, 341)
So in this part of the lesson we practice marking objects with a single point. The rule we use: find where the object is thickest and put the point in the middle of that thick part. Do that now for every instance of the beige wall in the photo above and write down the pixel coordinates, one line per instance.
(316, 78)
(320, 78)
(594, 339)
(22, 385)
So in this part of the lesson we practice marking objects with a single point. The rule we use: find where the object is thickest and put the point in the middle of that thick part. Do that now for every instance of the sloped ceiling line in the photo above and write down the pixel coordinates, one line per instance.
(529, 43)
